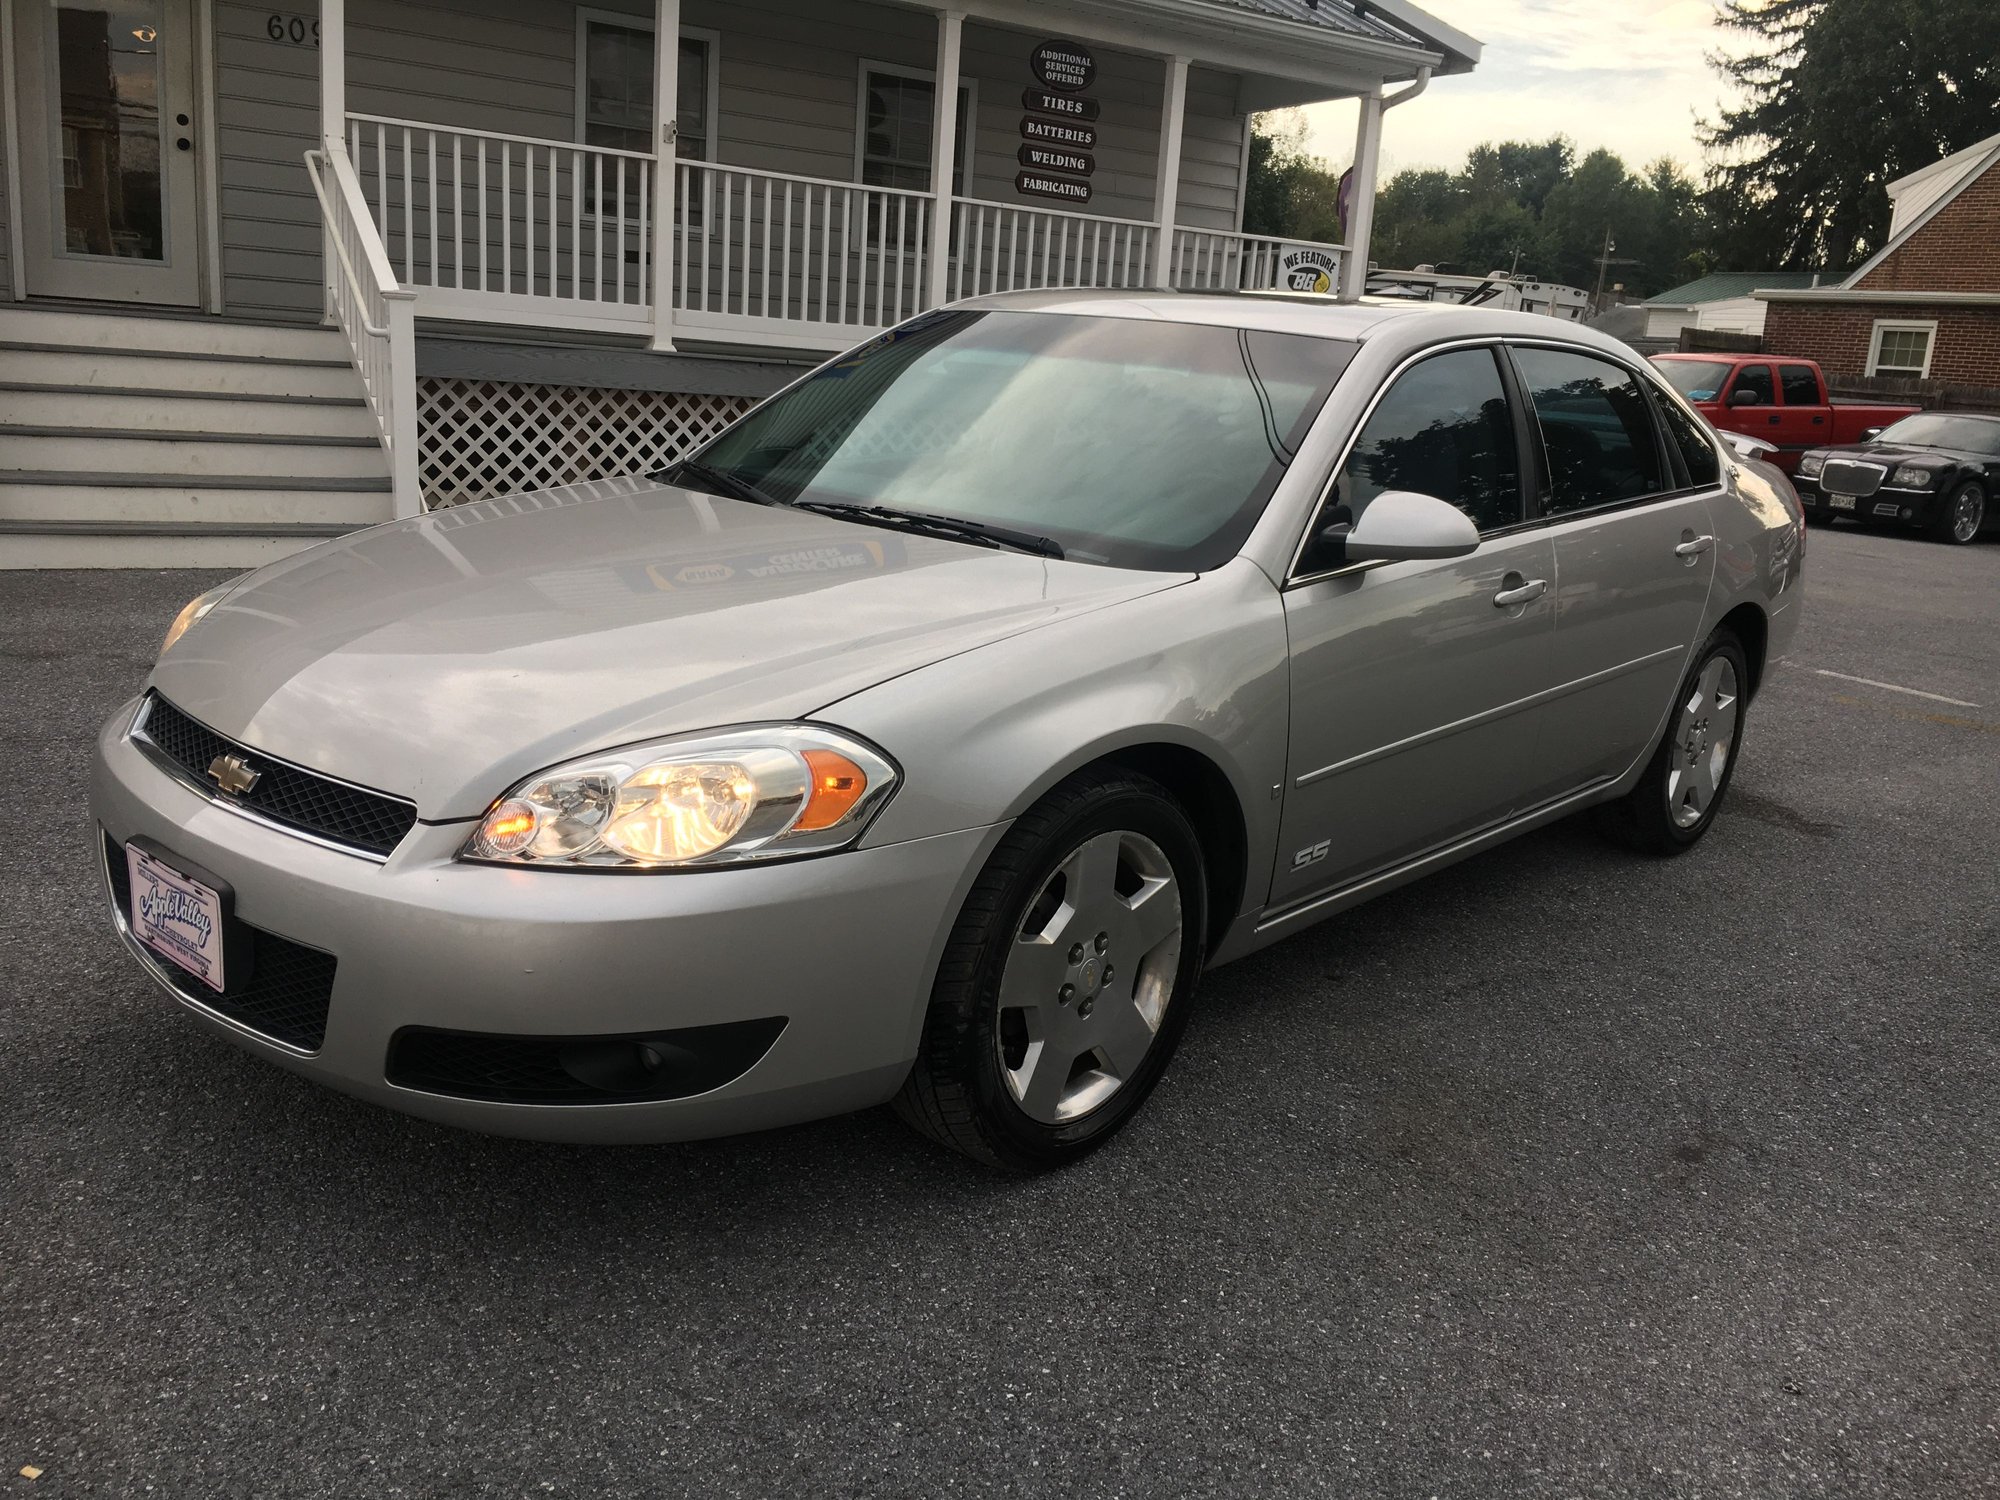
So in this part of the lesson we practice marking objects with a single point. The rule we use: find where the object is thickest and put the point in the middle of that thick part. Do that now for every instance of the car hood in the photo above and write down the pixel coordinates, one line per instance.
(1898, 453)
(445, 657)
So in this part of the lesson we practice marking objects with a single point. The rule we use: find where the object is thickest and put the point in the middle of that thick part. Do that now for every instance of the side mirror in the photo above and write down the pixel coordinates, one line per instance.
(1741, 397)
(1869, 434)
(1746, 446)
(1400, 524)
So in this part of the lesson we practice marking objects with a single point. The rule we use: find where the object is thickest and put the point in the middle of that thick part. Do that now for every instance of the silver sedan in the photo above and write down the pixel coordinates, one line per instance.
(925, 736)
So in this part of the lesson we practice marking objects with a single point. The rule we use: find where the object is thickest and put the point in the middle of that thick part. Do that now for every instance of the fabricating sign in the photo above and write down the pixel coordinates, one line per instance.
(1307, 268)
(1041, 102)
(1041, 185)
(1058, 133)
(1066, 67)
(1051, 160)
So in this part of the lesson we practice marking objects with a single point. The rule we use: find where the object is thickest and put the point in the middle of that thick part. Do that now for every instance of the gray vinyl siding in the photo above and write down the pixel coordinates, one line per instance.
(788, 101)
(7, 267)
(267, 117)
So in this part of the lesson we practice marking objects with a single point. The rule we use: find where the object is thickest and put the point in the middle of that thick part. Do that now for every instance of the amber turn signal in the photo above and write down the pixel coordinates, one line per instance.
(837, 784)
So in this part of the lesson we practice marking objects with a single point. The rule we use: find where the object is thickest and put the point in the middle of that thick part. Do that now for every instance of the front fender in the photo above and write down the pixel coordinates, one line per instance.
(981, 736)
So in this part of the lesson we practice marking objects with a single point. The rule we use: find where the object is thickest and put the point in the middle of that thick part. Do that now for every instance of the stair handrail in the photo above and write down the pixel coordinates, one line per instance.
(375, 312)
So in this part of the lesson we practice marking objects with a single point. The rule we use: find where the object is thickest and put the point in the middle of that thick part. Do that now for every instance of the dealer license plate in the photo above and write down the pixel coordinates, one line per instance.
(1842, 502)
(176, 917)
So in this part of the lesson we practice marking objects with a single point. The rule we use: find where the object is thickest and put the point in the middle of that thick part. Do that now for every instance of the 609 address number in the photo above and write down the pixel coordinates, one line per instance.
(297, 30)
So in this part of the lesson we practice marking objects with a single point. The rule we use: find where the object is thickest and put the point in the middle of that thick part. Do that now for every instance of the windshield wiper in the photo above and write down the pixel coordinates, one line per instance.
(983, 532)
(720, 480)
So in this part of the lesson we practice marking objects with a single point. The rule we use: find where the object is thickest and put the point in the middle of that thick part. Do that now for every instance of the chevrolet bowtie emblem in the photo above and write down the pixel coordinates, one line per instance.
(233, 774)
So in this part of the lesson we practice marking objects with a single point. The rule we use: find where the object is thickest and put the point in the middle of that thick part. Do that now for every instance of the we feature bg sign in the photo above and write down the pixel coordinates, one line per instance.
(1307, 268)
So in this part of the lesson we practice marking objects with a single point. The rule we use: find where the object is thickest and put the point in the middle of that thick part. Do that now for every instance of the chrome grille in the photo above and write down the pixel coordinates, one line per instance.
(1847, 476)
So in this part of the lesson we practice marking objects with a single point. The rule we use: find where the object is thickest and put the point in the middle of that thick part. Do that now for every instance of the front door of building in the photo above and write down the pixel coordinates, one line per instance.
(109, 202)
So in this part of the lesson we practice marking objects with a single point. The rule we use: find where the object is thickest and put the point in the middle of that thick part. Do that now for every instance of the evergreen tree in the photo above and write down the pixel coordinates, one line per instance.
(1841, 97)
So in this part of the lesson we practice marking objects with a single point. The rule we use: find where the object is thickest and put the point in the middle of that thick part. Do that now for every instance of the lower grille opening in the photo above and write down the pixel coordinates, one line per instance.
(290, 984)
(622, 1069)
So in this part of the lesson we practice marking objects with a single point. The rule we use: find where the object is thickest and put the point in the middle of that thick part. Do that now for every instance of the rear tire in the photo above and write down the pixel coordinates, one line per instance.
(1683, 785)
(1066, 980)
(1961, 515)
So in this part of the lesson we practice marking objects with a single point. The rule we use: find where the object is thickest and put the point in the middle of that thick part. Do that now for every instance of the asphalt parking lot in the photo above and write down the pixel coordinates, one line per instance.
(1563, 1173)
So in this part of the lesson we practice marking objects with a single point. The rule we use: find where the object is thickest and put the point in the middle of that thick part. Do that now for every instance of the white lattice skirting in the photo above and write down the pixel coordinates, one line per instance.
(481, 438)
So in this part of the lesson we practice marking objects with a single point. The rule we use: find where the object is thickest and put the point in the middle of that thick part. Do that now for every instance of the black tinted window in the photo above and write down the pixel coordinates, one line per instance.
(1442, 430)
(1756, 379)
(1596, 429)
(1690, 437)
(1801, 385)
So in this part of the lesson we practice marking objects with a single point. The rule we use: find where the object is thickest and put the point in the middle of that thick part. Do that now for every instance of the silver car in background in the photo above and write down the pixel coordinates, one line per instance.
(926, 735)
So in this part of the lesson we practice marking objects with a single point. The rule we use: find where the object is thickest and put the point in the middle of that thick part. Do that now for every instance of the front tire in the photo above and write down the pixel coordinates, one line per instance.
(1961, 515)
(1065, 982)
(1684, 783)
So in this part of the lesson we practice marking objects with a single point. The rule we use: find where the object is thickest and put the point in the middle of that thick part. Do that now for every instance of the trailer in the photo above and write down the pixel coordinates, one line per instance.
(1501, 289)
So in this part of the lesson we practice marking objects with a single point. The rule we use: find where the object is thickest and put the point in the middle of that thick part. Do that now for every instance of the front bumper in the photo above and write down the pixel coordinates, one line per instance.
(1887, 504)
(843, 948)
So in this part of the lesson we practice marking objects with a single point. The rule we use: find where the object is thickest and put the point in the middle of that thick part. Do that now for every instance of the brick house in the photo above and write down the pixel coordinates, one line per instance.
(1927, 305)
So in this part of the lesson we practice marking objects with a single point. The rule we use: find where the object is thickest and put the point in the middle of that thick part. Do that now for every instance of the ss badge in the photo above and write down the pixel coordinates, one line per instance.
(1311, 856)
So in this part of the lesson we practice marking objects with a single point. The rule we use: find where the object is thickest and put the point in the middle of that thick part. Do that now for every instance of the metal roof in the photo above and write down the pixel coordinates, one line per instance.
(1723, 285)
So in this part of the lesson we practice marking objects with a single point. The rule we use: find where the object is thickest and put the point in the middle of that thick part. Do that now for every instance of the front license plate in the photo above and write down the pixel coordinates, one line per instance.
(1841, 502)
(177, 917)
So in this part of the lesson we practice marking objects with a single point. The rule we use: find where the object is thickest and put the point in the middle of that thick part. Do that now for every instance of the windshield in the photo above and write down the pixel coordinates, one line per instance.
(1696, 379)
(1935, 430)
(1136, 443)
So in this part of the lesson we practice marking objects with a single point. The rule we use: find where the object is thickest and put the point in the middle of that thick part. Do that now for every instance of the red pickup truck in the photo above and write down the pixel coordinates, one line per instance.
(1782, 401)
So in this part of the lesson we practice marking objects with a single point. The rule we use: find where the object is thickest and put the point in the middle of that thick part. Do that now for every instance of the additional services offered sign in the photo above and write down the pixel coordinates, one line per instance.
(1307, 268)
(1066, 67)
(1056, 160)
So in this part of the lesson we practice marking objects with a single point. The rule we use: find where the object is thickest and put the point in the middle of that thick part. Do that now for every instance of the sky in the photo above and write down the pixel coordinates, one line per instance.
(1626, 74)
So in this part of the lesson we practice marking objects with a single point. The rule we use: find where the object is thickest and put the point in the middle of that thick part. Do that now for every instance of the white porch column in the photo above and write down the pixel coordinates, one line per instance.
(944, 144)
(333, 73)
(666, 176)
(1167, 175)
(1361, 197)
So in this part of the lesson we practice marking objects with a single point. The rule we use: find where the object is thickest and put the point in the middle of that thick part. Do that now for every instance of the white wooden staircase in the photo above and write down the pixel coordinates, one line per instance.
(178, 442)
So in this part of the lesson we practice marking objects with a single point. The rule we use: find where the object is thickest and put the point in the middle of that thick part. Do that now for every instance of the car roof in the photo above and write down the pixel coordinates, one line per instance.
(1305, 313)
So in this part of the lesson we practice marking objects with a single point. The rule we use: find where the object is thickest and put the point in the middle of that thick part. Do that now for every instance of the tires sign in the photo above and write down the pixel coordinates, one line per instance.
(1041, 102)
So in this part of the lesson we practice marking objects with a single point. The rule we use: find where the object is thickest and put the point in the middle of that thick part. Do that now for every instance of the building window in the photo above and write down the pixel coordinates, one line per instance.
(615, 86)
(1900, 348)
(894, 133)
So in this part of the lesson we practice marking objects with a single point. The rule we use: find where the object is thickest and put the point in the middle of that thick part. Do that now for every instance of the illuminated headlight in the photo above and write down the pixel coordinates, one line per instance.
(1811, 464)
(192, 611)
(1911, 478)
(726, 798)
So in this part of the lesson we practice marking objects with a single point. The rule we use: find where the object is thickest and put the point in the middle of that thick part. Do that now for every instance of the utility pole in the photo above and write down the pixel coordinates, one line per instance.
(1603, 260)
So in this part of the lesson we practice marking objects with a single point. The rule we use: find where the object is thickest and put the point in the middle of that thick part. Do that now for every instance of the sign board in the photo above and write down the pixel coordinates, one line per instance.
(1307, 268)
(1042, 185)
(1058, 133)
(1062, 106)
(1049, 159)
(1066, 67)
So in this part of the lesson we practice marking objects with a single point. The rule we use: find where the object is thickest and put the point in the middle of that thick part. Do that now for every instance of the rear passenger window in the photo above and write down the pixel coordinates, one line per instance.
(1442, 430)
(1756, 379)
(1690, 439)
(1596, 429)
(1801, 385)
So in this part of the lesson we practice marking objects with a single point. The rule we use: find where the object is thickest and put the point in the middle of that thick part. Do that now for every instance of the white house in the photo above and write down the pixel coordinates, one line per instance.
(270, 274)
(1721, 302)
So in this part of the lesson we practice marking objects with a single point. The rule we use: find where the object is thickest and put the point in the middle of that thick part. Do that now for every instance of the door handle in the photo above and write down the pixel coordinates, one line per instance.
(1520, 593)
(1693, 547)
(1774, 419)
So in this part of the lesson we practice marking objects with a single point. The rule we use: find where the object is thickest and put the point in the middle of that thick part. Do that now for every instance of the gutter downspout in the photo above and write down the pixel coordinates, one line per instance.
(1367, 151)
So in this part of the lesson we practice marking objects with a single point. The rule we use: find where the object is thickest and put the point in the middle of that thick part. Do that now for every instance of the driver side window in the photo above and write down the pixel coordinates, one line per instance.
(1442, 430)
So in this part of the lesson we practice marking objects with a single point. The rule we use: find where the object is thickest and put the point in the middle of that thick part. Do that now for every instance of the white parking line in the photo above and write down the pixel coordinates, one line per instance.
(1891, 687)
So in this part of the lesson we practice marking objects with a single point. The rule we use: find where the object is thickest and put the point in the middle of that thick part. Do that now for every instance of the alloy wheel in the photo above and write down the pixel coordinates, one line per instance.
(1968, 513)
(1089, 977)
(1704, 736)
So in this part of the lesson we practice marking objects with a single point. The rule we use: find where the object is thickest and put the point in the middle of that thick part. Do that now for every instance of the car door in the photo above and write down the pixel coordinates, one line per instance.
(1802, 418)
(1752, 402)
(1627, 507)
(1414, 684)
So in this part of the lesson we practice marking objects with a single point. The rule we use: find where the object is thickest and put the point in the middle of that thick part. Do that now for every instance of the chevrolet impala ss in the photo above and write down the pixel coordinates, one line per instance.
(926, 735)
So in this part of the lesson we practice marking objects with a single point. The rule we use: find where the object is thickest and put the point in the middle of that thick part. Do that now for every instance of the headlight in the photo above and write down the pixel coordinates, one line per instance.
(1911, 478)
(746, 794)
(192, 611)
(1811, 464)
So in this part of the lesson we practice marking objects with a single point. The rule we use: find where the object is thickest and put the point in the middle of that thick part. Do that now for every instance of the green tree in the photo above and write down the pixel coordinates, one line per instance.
(1840, 98)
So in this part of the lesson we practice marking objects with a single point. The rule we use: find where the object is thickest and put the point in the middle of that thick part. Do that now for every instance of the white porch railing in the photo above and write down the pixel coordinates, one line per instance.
(1212, 260)
(802, 261)
(378, 317)
(508, 227)
(1011, 247)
